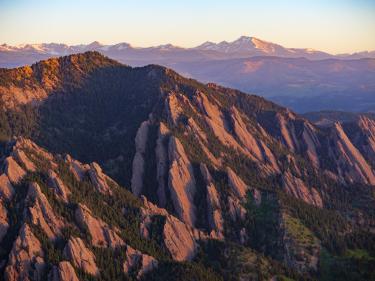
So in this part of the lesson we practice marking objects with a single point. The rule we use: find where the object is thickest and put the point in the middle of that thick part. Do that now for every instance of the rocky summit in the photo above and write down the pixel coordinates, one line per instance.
(109, 172)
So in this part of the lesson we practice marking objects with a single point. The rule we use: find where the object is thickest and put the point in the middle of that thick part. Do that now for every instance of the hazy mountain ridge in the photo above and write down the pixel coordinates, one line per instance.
(302, 79)
(252, 176)
(243, 47)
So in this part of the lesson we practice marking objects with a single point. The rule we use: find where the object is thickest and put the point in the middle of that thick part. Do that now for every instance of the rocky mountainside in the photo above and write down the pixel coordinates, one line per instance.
(302, 79)
(225, 185)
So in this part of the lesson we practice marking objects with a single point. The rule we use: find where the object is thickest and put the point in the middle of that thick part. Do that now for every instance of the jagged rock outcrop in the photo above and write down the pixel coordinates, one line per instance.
(63, 272)
(41, 212)
(102, 235)
(364, 138)
(14, 172)
(78, 169)
(6, 188)
(26, 152)
(99, 179)
(174, 106)
(312, 144)
(179, 238)
(181, 182)
(201, 137)
(214, 212)
(258, 150)
(161, 152)
(216, 121)
(21, 157)
(235, 208)
(237, 184)
(81, 257)
(139, 160)
(246, 138)
(137, 262)
(297, 188)
(4, 223)
(351, 164)
(26, 259)
(287, 131)
(59, 187)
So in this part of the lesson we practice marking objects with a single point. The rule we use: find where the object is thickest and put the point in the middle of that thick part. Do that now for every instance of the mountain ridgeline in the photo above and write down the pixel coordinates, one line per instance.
(301, 79)
(185, 181)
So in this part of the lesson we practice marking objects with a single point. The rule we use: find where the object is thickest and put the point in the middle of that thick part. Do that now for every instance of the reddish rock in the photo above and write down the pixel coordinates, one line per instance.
(297, 188)
(76, 168)
(81, 257)
(237, 184)
(181, 182)
(61, 191)
(63, 272)
(102, 234)
(14, 172)
(214, 212)
(138, 262)
(352, 166)
(179, 238)
(21, 157)
(41, 212)
(26, 259)
(4, 224)
(6, 188)
(99, 179)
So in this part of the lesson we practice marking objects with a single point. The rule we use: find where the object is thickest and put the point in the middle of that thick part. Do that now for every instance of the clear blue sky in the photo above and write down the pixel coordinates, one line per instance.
(335, 26)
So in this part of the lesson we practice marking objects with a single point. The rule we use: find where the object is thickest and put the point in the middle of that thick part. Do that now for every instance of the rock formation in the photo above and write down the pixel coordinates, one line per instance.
(81, 257)
(26, 260)
(41, 212)
(102, 235)
(181, 182)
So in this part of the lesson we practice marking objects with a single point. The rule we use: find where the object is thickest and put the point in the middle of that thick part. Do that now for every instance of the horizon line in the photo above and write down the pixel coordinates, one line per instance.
(180, 46)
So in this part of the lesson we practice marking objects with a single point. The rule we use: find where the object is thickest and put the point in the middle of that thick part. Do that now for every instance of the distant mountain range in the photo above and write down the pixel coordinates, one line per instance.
(243, 47)
(303, 79)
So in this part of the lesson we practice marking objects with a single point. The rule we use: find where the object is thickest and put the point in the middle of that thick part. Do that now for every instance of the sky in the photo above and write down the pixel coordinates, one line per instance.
(335, 26)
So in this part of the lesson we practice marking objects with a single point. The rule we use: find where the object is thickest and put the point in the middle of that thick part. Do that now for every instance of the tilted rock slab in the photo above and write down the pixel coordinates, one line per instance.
(102, 235)
(139, 262)
(181, 182)
(14, 171)
(139, 158)
(6, 188)
(26, 259)
(81, 257)
(179, 238)
(63, 272)
(41, 212)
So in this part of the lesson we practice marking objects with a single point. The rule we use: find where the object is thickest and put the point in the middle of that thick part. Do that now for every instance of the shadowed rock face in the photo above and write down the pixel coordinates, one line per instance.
(204, 163)
(4, 224)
